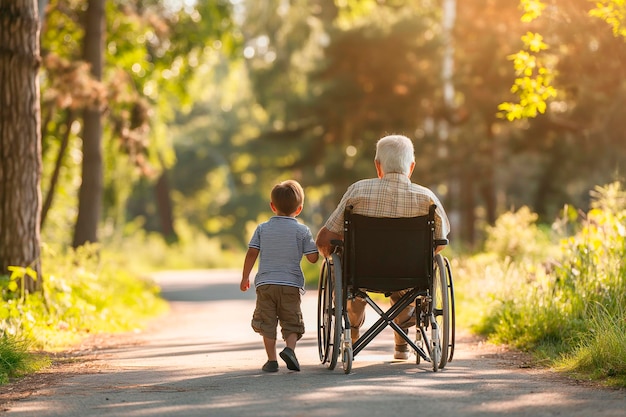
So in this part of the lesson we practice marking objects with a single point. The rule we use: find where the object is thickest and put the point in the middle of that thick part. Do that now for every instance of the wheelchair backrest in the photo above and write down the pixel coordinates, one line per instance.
(388, 254)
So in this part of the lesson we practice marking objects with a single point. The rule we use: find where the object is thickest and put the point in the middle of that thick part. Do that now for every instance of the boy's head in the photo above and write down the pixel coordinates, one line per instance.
(287, 197)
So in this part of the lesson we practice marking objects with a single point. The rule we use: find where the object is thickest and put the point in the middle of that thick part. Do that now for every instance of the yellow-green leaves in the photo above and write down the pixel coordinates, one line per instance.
(533, 84)
(534, 42)
(18, 273)
(612, 12)
(532, 9)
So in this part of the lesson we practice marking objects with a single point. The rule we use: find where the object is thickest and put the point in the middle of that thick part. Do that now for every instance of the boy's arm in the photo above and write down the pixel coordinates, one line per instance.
(312, 257)
(248, 263)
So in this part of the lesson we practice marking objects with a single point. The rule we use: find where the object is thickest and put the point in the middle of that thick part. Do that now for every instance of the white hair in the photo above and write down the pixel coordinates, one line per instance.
(395, 153)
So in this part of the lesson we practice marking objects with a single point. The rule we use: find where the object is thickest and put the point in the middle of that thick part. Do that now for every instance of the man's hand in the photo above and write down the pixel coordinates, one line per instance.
(245, 284)
(324, 237)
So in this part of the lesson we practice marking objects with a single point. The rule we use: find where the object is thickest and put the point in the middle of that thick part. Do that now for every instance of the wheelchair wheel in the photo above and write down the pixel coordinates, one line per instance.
(322, 295)
(346, 357)
(442, 312)
(329, 312)
(452, 310)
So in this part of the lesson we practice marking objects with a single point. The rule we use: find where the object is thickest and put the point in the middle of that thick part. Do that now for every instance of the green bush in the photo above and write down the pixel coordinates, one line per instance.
(557, 298)
(84, 291)
(516, 235)
(143, 251)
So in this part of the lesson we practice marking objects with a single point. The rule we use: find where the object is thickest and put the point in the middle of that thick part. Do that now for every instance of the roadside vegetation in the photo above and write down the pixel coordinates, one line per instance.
(557, 292)
(87, 291)
(94, 289)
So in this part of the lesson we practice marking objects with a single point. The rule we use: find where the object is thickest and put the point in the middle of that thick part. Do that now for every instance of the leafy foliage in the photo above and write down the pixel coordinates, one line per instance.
(553, 305)
(153, 50)
(85, 291)
(517, 236)
(536, 74)
(612, 12)
(534, 79)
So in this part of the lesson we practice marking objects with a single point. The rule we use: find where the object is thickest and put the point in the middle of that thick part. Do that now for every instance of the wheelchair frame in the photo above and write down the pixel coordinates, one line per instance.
(341, 280)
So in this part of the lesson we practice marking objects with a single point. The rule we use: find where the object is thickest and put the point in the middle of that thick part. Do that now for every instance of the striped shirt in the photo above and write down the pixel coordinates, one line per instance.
(392, 196)
(282, 241)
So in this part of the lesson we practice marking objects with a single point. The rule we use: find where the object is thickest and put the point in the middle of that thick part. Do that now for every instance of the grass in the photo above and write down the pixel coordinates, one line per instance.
(95, 289)
(16, 359)
(599, 355)
(85, 292)
(560, 296)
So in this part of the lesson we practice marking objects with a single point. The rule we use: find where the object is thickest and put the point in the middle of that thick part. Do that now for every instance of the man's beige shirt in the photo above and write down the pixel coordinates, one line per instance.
(392, 196)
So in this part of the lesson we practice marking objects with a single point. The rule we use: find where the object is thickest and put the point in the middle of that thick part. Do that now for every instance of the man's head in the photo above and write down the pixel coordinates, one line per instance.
(395, 153)
(287, 198)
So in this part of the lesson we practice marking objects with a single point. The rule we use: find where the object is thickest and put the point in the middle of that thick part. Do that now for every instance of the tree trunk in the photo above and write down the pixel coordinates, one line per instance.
(91, 189)
(164, 206)
(20, 142)
(54, 178)
(468, 205)
(488, 180)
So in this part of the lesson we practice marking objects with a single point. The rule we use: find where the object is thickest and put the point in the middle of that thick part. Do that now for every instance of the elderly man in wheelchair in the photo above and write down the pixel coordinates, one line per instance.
(385, 236)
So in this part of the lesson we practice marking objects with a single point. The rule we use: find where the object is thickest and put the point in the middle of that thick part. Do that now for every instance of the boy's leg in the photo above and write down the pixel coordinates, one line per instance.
(292, 324)
(264, 322)
(291, 340)
(270, 348)
(288, 354)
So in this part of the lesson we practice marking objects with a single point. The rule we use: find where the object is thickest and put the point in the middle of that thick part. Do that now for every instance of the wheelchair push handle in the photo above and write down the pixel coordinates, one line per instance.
(336, 245)
(441, 242)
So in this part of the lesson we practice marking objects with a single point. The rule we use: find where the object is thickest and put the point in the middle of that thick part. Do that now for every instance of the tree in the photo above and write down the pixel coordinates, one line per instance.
(90, 194)
(335, 82)
(153, 49)
(535, 73)
(20, 145)
(481, 79)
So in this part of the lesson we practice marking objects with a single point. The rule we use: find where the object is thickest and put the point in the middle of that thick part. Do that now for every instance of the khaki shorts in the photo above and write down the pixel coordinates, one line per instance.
(274, 304)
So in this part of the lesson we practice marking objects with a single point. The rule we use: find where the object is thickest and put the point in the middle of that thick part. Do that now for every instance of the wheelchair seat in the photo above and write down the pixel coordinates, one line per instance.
(385, 255)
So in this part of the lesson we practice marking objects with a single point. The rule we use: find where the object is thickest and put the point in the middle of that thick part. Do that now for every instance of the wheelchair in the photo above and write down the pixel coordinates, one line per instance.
(384, 255)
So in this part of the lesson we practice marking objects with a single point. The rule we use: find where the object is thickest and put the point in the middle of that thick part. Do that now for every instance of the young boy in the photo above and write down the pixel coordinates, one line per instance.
(281, 242)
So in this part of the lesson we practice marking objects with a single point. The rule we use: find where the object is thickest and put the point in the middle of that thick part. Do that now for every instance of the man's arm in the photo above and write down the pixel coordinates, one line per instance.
(324, 236)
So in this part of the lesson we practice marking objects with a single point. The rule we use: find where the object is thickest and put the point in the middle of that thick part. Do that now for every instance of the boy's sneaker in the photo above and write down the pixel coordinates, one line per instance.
(270, 366)
(289, 356)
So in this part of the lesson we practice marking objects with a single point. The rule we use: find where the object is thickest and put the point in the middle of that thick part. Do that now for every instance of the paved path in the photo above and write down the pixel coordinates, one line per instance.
(204, 360)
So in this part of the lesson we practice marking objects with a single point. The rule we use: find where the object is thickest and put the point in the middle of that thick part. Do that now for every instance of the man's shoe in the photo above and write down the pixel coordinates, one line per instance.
(270, 366)
(289, 356)
(402, 352)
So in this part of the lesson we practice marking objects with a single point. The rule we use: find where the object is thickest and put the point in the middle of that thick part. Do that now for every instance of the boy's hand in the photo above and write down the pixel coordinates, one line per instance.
(245, 284)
